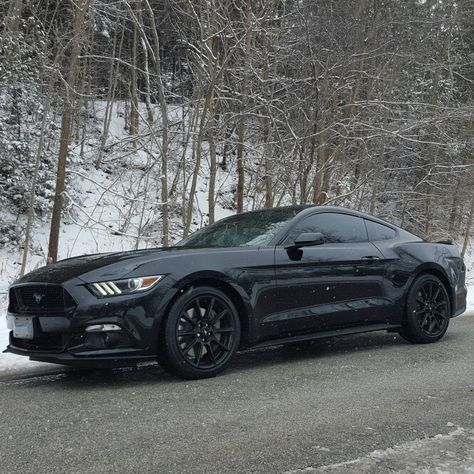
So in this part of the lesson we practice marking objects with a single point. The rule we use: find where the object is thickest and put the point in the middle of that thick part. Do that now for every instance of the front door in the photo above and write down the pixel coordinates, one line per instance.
(337, 284)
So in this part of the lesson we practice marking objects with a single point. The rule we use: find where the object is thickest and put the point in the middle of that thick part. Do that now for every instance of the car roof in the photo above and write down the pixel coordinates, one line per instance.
(306, 209)
(309, 209)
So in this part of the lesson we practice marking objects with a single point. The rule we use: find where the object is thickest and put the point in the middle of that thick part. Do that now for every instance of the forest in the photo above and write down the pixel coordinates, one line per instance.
(146, 119)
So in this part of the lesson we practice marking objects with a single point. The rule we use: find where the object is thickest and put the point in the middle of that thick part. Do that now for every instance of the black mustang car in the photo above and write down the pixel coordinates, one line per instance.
(261, 278)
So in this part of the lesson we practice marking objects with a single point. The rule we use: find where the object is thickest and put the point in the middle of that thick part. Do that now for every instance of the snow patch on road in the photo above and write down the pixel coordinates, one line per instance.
(443, 453)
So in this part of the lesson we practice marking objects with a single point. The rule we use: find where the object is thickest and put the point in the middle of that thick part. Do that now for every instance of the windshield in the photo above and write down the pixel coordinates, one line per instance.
(253, 229)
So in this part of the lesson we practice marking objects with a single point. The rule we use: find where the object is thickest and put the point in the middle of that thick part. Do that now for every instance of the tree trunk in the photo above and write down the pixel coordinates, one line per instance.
(225, 148)
(212, 179)
(164, 133)
(268, 161)
(198, 155)
(428, 206)
(12, 20)
(211, 198)
(113, 79)
(239, 195)
(31, 206)
(134, 121)
(146, 72)
(78, 29)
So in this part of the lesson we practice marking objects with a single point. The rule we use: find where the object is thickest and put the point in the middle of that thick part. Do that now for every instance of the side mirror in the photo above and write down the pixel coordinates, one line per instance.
(307, 239)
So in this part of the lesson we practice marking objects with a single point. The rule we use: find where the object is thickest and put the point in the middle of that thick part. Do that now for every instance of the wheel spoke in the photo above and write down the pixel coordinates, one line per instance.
(420, 311)
(209, 309)
(437, 292)
(222, 330)
(424, 294)
(188, 319)
(199, 353)
(211, 353)
(425, 320)
(222, 346)
(219, 316)
(185, 333)
(439, 315)
(190, 346)
(430, 294)
(432, 326)
(197, 309)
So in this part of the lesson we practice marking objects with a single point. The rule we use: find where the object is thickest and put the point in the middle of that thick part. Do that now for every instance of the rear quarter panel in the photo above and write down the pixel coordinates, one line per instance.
(405, 261)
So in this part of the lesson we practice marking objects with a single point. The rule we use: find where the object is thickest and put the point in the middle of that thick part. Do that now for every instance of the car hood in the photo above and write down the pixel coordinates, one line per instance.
(118, 264)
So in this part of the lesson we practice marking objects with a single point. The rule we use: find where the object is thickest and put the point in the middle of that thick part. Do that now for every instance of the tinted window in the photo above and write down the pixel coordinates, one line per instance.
(337, 228)
(379, 231)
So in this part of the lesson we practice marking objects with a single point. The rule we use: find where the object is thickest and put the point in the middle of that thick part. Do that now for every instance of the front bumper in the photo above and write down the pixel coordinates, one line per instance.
(53, 343)
(61, 336)
(99, 358)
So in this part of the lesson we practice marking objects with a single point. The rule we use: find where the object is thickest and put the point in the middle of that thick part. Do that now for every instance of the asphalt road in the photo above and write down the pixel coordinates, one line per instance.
(365, 403)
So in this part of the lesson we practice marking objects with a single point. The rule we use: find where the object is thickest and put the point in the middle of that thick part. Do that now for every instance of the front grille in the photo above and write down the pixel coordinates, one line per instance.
(36, 299)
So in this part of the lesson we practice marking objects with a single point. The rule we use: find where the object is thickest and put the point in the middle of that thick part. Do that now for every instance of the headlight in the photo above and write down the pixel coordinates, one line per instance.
(123, 287)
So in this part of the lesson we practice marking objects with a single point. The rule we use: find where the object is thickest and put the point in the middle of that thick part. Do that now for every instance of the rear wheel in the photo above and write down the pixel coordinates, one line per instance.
(202, 333)
(428, 311)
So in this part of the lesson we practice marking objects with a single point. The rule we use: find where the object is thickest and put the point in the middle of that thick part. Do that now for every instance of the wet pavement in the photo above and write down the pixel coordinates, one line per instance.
(360, 403)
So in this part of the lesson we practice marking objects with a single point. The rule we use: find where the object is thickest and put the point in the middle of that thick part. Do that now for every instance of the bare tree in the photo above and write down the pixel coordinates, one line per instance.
(78, 30)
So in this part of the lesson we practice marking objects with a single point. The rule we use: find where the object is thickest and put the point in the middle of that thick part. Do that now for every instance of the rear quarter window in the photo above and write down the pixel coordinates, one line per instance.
(378, 231)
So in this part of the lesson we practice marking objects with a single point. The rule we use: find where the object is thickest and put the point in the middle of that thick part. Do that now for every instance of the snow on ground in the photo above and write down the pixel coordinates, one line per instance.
(469, 261)
(443, 453)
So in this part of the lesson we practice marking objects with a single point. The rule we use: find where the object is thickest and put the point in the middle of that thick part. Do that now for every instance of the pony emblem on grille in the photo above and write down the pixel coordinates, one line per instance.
(38, 297)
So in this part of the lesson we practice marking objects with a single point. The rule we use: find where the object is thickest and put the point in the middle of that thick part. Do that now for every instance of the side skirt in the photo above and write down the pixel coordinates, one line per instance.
(332, 333)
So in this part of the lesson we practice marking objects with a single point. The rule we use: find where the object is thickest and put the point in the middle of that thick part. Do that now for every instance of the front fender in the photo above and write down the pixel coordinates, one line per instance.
(225, 283)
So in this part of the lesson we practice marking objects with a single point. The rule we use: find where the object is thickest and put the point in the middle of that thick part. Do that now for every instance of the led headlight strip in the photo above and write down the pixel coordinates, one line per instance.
(107, 288)
(121, 287)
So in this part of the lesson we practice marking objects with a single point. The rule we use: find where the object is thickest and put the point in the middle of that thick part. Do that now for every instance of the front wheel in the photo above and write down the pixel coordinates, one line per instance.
(428, 311)
(201, 334)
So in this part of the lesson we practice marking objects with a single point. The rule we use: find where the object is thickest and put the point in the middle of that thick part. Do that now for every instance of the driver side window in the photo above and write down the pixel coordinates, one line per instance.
(337, 228)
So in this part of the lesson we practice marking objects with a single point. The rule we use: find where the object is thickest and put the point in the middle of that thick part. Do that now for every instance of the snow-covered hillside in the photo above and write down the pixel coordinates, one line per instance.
(113, 207)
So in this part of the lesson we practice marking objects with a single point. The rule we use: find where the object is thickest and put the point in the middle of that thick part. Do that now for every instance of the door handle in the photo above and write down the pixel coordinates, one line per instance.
(370, 258)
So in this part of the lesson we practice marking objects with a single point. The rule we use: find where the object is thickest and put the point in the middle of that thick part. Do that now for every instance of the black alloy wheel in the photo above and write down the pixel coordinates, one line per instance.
(428, 311)
(202, 333)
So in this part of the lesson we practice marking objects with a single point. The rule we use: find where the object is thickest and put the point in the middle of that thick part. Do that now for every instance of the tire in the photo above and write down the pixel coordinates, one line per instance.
(201, 334)
(428, 311)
